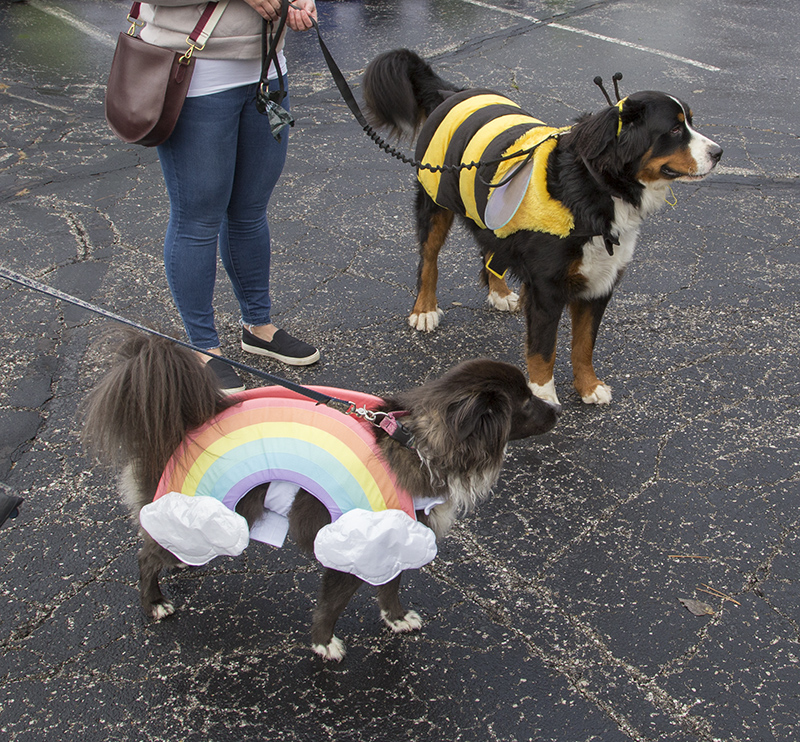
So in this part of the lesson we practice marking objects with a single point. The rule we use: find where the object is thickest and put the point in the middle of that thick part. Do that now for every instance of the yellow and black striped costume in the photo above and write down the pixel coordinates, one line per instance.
(482, 125)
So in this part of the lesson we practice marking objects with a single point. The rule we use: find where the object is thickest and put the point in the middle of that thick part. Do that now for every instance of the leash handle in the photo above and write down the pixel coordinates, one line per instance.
(269, 51)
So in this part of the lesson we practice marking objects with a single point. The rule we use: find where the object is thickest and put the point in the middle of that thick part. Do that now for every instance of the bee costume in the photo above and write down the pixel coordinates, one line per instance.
(481, 125)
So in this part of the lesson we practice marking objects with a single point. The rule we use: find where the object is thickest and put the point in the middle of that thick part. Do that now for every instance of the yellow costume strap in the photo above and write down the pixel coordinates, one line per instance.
(619, 107)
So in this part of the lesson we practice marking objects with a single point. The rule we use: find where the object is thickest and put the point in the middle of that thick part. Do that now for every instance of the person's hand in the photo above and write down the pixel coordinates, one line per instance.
(269, 9)
(300, 14)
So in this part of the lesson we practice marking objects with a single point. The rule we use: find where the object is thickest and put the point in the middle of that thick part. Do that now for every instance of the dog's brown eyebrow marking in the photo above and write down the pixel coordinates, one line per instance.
(681, 117)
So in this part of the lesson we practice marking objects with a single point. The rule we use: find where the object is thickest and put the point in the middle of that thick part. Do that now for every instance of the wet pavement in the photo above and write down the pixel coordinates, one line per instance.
(553, 613)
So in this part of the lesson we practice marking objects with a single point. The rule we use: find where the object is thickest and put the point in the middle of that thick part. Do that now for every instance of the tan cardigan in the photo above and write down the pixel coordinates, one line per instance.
(237, 35)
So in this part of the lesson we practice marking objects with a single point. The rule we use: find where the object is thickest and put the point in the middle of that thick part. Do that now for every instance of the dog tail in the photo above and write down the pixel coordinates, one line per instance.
(401, 89)
(154, 394)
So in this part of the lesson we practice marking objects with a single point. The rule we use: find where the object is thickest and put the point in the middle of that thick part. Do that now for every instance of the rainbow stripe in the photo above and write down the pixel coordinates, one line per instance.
(273, 434)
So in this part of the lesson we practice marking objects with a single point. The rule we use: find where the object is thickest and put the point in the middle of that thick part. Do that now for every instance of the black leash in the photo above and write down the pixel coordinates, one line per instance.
(269, 103)
(387, 421)
(55, 293)
(352, 104)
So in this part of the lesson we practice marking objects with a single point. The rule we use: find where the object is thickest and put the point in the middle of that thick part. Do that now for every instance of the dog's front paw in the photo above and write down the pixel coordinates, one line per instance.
(162, 609)
(410, 622)
(601, 394)
(333, 650)
(547, 392)
(425, 321)
(508, 303)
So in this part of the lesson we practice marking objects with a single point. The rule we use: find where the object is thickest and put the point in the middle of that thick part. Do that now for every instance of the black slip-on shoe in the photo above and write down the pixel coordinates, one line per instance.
(283, 347)
(228, 380)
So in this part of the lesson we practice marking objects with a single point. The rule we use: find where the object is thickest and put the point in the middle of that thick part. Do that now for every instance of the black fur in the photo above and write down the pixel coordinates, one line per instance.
(157, 392)
(610, 170)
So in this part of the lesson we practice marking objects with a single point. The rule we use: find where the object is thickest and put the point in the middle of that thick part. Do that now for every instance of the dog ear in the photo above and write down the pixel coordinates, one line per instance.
(633, 137)
(484, 417)
(610, 139)
(594, 134)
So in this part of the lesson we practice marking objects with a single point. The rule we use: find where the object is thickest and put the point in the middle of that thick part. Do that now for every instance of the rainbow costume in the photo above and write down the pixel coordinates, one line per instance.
(481, 125)
(272, 435)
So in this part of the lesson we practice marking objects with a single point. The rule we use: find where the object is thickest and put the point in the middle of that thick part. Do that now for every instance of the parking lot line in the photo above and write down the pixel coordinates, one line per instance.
(83, 26)
(600, 37)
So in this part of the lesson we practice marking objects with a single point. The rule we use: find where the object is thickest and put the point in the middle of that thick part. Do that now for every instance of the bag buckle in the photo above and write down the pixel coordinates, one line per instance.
(187, 56)
(135, 23)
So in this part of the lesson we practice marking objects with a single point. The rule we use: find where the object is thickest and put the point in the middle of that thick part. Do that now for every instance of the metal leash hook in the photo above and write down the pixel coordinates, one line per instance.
(388, 423)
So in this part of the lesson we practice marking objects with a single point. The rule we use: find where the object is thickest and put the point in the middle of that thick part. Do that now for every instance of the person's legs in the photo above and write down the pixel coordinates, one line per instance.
(198, 162)
(244, 238)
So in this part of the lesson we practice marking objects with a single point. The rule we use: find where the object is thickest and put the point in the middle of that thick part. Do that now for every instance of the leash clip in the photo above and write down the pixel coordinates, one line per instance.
(387, 422)
(368, 415)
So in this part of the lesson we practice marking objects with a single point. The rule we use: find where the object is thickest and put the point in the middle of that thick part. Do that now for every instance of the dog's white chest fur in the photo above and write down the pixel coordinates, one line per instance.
(601, 270)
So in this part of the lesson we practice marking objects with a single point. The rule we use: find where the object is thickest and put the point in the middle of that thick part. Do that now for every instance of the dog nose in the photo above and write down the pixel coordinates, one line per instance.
(715, 153)
(556, 407)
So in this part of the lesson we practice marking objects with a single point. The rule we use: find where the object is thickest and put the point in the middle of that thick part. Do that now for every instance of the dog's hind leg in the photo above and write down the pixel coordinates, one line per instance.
(152, 559)
(397, 618)
(335, 593)
(433, 225)
(586, 318)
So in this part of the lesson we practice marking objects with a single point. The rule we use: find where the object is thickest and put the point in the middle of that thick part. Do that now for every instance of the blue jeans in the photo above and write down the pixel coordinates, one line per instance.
(220, 165)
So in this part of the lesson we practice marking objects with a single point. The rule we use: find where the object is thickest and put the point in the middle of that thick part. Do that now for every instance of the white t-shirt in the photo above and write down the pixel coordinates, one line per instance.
(215, 75)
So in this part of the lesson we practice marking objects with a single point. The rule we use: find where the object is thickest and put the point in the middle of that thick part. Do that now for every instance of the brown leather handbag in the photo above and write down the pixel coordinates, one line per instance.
(147, 84)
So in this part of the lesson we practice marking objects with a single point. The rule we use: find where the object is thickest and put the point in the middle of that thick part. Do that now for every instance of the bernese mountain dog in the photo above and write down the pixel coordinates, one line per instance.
(560, 208)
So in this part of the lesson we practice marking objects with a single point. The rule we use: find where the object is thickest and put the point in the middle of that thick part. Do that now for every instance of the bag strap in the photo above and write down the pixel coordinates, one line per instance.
(208, 20)
(199, 35)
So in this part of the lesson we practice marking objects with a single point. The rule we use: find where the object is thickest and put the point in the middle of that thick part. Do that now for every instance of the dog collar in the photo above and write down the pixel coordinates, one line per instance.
(390, 425)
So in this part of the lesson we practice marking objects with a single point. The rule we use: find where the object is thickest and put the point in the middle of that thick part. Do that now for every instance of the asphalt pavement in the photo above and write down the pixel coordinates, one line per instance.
(554, 612)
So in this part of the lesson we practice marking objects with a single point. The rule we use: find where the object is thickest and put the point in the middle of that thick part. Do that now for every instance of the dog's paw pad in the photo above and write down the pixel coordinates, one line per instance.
(601, 394)
(410, 622)
(509, 303)
(425, 321)
(161, 610)
(333, 650)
